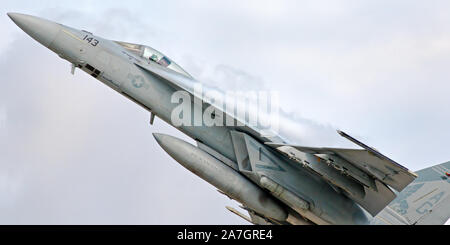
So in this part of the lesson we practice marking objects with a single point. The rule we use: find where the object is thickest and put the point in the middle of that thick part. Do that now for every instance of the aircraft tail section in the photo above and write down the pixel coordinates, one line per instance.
(426, 201)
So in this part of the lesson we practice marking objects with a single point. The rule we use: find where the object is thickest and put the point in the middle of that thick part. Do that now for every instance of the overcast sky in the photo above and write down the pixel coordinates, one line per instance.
(72, 151)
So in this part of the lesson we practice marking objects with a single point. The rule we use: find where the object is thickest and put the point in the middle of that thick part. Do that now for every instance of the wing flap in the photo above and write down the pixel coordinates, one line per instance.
(377, 199)
(382, 169)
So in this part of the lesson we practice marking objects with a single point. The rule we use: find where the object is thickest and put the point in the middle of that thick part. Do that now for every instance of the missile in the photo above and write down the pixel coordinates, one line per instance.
(223, 177)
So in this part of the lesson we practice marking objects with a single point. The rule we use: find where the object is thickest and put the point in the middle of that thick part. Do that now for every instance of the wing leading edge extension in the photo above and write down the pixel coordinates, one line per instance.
(185, 83)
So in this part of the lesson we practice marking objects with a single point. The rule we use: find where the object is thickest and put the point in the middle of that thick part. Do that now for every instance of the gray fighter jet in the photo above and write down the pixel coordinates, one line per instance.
(276, 182)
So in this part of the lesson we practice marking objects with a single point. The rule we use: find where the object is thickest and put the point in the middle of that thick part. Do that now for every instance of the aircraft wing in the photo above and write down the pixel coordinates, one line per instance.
(383, 170)
(368, 167)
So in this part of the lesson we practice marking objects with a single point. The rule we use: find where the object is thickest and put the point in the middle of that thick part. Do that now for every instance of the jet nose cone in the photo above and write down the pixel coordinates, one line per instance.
(43, 31)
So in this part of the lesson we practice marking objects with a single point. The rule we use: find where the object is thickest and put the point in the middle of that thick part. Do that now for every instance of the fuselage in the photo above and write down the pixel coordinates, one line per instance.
(113, 65)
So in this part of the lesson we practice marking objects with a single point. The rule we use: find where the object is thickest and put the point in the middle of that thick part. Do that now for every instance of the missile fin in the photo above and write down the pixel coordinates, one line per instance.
(233, 210)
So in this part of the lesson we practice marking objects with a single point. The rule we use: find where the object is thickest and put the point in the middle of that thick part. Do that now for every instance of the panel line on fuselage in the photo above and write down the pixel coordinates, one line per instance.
(72, 35)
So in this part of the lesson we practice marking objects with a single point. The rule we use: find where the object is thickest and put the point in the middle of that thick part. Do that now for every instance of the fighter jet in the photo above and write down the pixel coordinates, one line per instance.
(277, 182)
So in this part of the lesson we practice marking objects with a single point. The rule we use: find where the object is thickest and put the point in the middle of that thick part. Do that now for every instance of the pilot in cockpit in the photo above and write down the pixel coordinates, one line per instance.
(164, 61)
(154, 58)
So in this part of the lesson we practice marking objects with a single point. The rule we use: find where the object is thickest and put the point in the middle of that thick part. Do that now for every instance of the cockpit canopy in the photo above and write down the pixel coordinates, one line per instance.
(152, 55)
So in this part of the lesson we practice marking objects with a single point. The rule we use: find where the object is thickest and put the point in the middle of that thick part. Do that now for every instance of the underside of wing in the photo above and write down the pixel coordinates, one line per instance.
(367, 168)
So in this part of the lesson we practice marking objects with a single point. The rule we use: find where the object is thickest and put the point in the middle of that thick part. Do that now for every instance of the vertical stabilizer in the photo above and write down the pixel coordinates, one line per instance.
(426, 201)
